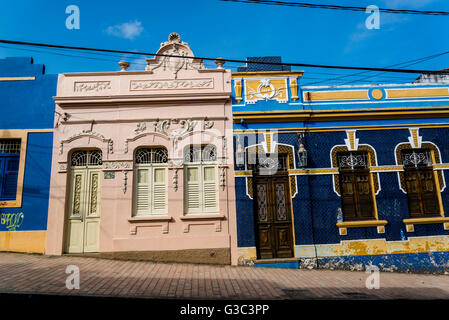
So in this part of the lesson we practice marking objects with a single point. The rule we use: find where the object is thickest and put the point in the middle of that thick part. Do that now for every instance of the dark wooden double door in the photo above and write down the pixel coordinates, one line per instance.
(273, 217)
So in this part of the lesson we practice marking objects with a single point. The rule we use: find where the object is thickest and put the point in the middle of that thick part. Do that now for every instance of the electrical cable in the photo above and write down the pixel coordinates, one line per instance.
(339, 7)
(226, 60)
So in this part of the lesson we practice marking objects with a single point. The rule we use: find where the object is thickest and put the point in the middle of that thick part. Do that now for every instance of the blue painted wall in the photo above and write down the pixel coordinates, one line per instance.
(28, 104)
(315, 205)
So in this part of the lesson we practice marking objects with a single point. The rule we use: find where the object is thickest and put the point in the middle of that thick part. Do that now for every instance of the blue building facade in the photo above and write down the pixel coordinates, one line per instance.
(26, 140)
(343, 176)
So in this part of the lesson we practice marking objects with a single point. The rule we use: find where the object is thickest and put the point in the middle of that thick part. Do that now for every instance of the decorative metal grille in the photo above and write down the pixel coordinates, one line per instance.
(206, 153)
(262, 202)
(85, 158)
(77, 196)
(351, 160)
(93, 193)
(280, 202)
(416, 158)
(151, 155)
(272, 162)
(9, 145)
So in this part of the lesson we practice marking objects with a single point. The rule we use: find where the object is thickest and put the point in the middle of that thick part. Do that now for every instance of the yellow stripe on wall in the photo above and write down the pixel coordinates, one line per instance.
(336, 95)
(16, 78)
(417, 93)
(23, 241)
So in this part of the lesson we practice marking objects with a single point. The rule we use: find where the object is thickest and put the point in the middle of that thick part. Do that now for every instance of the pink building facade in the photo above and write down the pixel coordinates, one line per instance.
(143, 162)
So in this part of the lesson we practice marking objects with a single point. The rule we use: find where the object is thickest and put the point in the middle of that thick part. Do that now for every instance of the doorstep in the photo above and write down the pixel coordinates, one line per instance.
(289, 263)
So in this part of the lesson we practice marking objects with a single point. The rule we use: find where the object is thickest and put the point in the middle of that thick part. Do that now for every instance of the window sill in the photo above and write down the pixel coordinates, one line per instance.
(203, 217)
(10, 204)
(380, 224)
(409, 223)
(150, 218)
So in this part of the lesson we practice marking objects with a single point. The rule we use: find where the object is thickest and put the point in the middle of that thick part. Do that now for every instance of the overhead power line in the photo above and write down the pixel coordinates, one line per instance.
(338, 7)
(223, 59)
(404, 64)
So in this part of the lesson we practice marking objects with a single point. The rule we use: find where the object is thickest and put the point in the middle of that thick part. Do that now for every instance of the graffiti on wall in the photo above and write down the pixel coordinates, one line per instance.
(11, 221)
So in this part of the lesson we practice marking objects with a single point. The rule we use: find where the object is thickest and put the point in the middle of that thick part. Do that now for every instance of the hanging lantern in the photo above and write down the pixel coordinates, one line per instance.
(302, 152)
(239, 154)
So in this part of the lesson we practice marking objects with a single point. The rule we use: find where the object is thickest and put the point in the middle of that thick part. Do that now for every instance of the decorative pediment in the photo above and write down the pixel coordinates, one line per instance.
(90, 134)
(182, 127)
(174, 47)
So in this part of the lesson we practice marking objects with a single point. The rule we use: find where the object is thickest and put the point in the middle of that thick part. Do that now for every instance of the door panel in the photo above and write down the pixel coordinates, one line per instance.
(75, 241)
(91, 235)
(83, 219)
(75, 225)
(273, 217)
(92, 217)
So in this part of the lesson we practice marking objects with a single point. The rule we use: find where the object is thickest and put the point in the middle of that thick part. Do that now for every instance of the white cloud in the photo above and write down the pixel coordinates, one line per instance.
(127, 30)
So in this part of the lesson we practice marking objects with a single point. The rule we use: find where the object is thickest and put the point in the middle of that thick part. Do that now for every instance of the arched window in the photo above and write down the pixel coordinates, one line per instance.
(150, 187)
(356, 186)
(420, 183)
(200, 179)
(84, 158)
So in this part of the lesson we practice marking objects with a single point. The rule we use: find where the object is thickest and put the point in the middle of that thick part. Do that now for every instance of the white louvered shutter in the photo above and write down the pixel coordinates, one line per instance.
(193, 196)
(210, 189)
(159, 191)
(143, 192)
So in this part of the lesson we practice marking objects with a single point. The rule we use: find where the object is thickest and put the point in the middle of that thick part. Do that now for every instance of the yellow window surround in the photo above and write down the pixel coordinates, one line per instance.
(22, 135)
(380, 224)
(409, 223)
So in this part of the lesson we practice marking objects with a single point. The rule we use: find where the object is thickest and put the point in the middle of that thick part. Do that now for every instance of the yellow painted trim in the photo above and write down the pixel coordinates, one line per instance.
(267, 74)
(238, 90)
(366, 247)
(335, 95)
(417, 93)
(373, 189)
(426, 220)
(377, 94)
(39, 130)
(312, 171)
(243, 173)
(386, 168)
(23, 136)
(441, 166)
(361, 224)
(247, 253)
(292, 215)
(16, 78)
(313, 115)
(23, 241)
(437, 184)
(344, 128)
(294, 89)
(344, 110)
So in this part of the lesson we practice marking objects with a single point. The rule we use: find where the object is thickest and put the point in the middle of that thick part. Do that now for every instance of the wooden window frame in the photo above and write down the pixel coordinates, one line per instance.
(200, 166)
(150, 168)
(425, 168)
(354, 172)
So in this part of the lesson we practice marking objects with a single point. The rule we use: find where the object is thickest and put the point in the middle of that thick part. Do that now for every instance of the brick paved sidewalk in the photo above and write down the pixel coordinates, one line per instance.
(27, 273)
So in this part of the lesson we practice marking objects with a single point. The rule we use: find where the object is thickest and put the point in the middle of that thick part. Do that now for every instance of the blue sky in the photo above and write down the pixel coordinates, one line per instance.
(231, 30)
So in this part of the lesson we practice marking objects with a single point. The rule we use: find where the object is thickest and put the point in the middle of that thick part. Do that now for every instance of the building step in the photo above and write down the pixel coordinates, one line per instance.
(289, 263)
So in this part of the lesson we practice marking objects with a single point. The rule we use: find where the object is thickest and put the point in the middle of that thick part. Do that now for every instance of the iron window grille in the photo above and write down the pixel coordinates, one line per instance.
(151, 155)
(415, 158)
(352, 160)
(83, 158)
(9, 146)
(207, 153)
